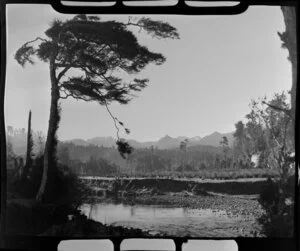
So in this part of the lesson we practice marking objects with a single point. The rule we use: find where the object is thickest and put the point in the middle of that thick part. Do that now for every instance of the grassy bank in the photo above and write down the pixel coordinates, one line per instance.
(224, 174)
(212, 174)
(171, 185)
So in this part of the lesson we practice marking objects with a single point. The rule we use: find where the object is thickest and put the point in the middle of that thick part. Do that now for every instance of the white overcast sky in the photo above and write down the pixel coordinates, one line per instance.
(210, 76)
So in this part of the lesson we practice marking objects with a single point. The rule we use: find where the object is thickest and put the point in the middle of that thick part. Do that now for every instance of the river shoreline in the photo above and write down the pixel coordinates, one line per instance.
(28, 218)
(240, 213)
(239, 203)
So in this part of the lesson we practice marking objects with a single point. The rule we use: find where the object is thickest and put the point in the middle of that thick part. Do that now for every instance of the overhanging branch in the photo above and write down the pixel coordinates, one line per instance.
(38, 38)
(280, 109)
(63, 72)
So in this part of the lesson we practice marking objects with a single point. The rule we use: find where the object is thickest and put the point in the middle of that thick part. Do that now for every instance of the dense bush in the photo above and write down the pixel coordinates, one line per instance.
(28, 187)
(277, 199)
(63, 186)
(99, 167)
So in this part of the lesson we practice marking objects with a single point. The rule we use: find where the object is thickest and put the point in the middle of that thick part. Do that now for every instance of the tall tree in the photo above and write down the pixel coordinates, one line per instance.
(40, 142)
(239, 140)
(277, 130)
(183, 148)
(151, 154)
(224, 145)
(29, 149)
(289, 41)
(97, 51)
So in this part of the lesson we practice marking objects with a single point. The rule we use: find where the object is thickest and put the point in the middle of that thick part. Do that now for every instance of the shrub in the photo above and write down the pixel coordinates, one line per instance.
(63, 185)
(277, 200)
(28, 188)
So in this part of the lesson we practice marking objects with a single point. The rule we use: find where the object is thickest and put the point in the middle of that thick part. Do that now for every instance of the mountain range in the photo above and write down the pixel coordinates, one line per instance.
(19, 141)
(166, 142)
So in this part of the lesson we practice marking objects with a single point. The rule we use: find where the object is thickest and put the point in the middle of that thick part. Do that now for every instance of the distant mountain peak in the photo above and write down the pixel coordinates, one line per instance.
(166, 142)
(195, 138)
(181, 138)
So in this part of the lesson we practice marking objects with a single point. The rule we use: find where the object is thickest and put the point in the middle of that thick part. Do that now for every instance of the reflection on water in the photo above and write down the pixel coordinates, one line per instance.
(170, 221)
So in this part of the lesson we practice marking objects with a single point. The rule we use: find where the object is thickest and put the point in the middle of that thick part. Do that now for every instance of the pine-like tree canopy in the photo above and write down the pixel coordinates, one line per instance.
(98, 49)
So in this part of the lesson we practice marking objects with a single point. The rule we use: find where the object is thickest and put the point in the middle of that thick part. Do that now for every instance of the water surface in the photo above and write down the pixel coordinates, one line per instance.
(171, 221)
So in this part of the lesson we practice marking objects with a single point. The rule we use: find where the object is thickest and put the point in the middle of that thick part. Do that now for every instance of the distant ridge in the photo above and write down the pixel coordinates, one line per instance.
(215, 138)
(166, 142)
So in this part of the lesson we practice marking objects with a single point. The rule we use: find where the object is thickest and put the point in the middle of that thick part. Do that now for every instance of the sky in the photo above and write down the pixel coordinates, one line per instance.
(206, 84)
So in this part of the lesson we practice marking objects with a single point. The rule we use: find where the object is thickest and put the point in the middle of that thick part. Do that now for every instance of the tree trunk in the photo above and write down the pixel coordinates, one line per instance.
(51, 142)
(289, 40)
(29, 149)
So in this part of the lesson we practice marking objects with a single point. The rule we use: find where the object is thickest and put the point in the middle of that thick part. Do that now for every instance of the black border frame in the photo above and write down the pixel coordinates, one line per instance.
(50, 243)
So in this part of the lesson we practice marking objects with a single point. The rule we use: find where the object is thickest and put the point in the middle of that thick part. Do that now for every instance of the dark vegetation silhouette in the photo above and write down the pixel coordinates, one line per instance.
(278, 198)
(201, 161)
(29, 150)
(268, 134)
(97, 50)
(24, 179)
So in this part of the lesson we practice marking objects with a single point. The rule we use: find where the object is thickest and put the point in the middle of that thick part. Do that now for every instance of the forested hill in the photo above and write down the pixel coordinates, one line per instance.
(142, 159)
(18, 140)
(85, 153)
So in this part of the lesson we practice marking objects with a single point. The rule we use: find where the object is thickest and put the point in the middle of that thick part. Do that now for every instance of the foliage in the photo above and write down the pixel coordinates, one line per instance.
(224, 145)
(145, 163)
(17, 138)
(184, 152)
(164, 31)
(186, 168)
(277, 199)
(63, 154)
(98, 50)
(99, 167)
(149, 163)
(124, 148)
(183, 145)
(66, 188)
(9, 151)
(268, 132)
(40, 142)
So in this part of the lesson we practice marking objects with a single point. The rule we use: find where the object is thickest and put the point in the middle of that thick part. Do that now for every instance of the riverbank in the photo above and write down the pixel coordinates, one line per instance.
(161, 185)
(180, 214)
(28, 218)
(232, 207)
(230, 204)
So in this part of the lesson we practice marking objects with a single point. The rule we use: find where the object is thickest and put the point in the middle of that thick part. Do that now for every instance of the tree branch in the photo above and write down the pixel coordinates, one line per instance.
(286, 111)
(111, 115)
(67, 95)
(62, 73)
(74, 96)
(38, 38)
(114, 119)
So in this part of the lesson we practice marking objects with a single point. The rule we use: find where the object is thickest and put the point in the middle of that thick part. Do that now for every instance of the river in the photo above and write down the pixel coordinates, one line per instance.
(171, 221)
